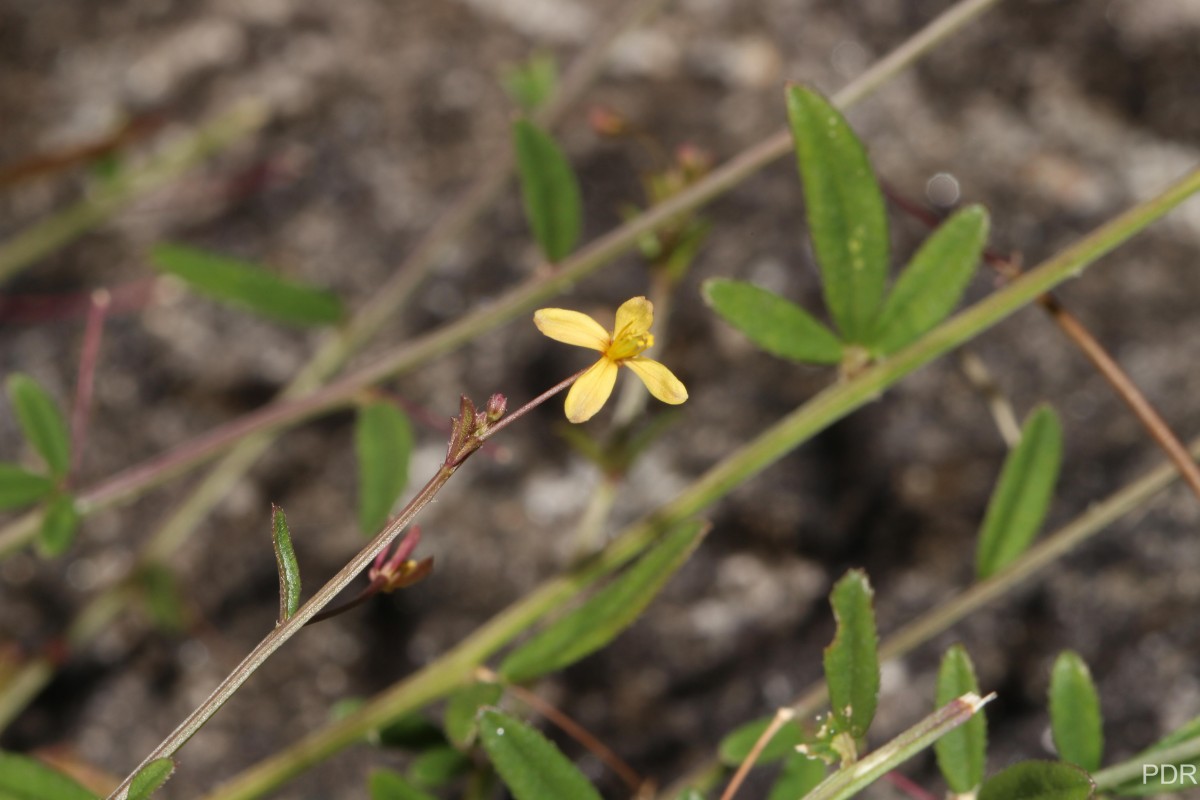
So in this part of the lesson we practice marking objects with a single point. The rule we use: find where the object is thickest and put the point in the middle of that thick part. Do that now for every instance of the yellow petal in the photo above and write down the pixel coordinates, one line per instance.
(590, 390)
(634, 317)
(661, 382)
(571, 327)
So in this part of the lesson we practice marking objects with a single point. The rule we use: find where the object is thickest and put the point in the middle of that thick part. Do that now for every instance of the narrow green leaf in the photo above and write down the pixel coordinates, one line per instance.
(285, 564)
(529, 764)
(150, 778)
(387, 785)
(532, 83)
(852, 660)
(413, 731)
(1166, 775)
(1038, 780)
(1075, 717)
(383, 443)
(962, 753)
(737, 744)
(774, 323)
(161, 597)
(800, 776)
(845, 212)
(1022, 495)
(438, 766)
(60, 522)
(20, 487)
(462, 710)
(549, 189)
(248, 286)
(41, 422)
(598, 621)
(933, 282)
(24, 778)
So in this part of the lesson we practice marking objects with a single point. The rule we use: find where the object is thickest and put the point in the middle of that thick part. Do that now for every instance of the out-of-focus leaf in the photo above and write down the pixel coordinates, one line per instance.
(41, 422)
(933, 282)
(24, 778)
(387, 785)
(438, 766)
(19, 487)
(383, 442)
(774, 323)
(549, 189)
(161, 597)
(1075, 719)
(1022, 495)
(608, 612)
(248, 286)
(529, 764)
(462, 710)
(961, 753)
(285, 564)
(530, 84)
(1038, 780)
(845, 212)
(412, 731)
(60, 523)
(852, 660)
(150, 778)
(799, 776)
(737, 744)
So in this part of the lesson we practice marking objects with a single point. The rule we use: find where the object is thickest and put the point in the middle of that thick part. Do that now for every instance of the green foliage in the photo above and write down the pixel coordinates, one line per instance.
(60, 523)
(933, 282)
(23, 778)
(1022, 495)
(462, 710)
(961, 753)
(248, 286)
(285, 564)
(774, 323)
(19, 487)
(41, 422)
(387, 785)
(1038, 780)
(550, 191)
(438, 766)
(799, 776)
(852, 660)
(529, 764)
(1142, 786)
(845, 209)
(412, 731)
(1075, 713)
(161, 598)
(532, 83)
(610, 611)
(736, 745)
(383, 443)
(150, 778)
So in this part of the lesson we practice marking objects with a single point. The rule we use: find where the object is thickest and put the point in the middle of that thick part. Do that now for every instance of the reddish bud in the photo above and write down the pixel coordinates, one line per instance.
(497, 404)
(606, 122)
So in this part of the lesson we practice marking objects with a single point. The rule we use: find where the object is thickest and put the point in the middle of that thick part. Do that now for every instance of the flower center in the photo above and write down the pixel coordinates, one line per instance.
(628, 346)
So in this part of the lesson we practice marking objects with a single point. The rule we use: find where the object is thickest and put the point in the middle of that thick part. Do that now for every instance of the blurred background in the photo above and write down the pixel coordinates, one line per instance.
(1054, 115)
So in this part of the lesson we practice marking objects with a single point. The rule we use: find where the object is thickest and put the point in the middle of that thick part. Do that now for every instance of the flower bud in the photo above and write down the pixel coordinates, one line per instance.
(497, 404)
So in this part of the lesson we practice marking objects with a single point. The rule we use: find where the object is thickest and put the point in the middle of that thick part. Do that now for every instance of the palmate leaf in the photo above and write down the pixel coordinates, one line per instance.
(775, 324)
(529, 764)
(852, 659)
(549, 190)
(1075, 719)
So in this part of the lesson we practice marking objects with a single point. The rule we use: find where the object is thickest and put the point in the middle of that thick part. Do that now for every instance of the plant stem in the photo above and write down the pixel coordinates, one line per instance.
(89, 355)
(781, 718)
(1111, 777)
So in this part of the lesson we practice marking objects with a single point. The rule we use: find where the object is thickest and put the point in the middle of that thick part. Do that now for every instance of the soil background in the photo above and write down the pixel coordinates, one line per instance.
(1055, 115)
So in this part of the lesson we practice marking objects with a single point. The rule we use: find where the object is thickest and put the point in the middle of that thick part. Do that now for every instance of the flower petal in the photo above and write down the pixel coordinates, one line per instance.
(634, 317)
(590, 390)
(571, 327)
(661, 382)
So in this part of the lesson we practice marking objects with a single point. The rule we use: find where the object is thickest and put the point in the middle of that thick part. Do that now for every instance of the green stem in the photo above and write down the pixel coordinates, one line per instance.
(457, 665)
(1109, 779)
(61, 228)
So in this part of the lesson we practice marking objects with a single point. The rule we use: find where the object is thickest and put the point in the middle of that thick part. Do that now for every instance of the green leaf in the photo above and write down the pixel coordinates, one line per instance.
(438, 766)
(387, 785)
(961, 753)
(150, 778)
(845, 212)
(774, 323)
(24, 778)
(60, 522)
(1075, 717)
(549, 189)
(1158, 783)
(462, 709)
(852, 660)
(247, 285)
(532, 83)
(529, 764)
(933, 282)
(1038, 780)
(383, 443)
(285, 564)
(1022, 495)
(412, 731)
(19, 487)
(799, 776)
(161, 597)
(736, 746)
(41, 422)
(598, 621)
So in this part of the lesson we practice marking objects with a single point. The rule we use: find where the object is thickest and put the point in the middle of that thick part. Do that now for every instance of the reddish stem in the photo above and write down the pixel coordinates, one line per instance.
(93, 333)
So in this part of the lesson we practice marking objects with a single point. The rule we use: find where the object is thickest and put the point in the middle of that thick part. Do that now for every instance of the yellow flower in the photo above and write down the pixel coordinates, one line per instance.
(623, 347)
